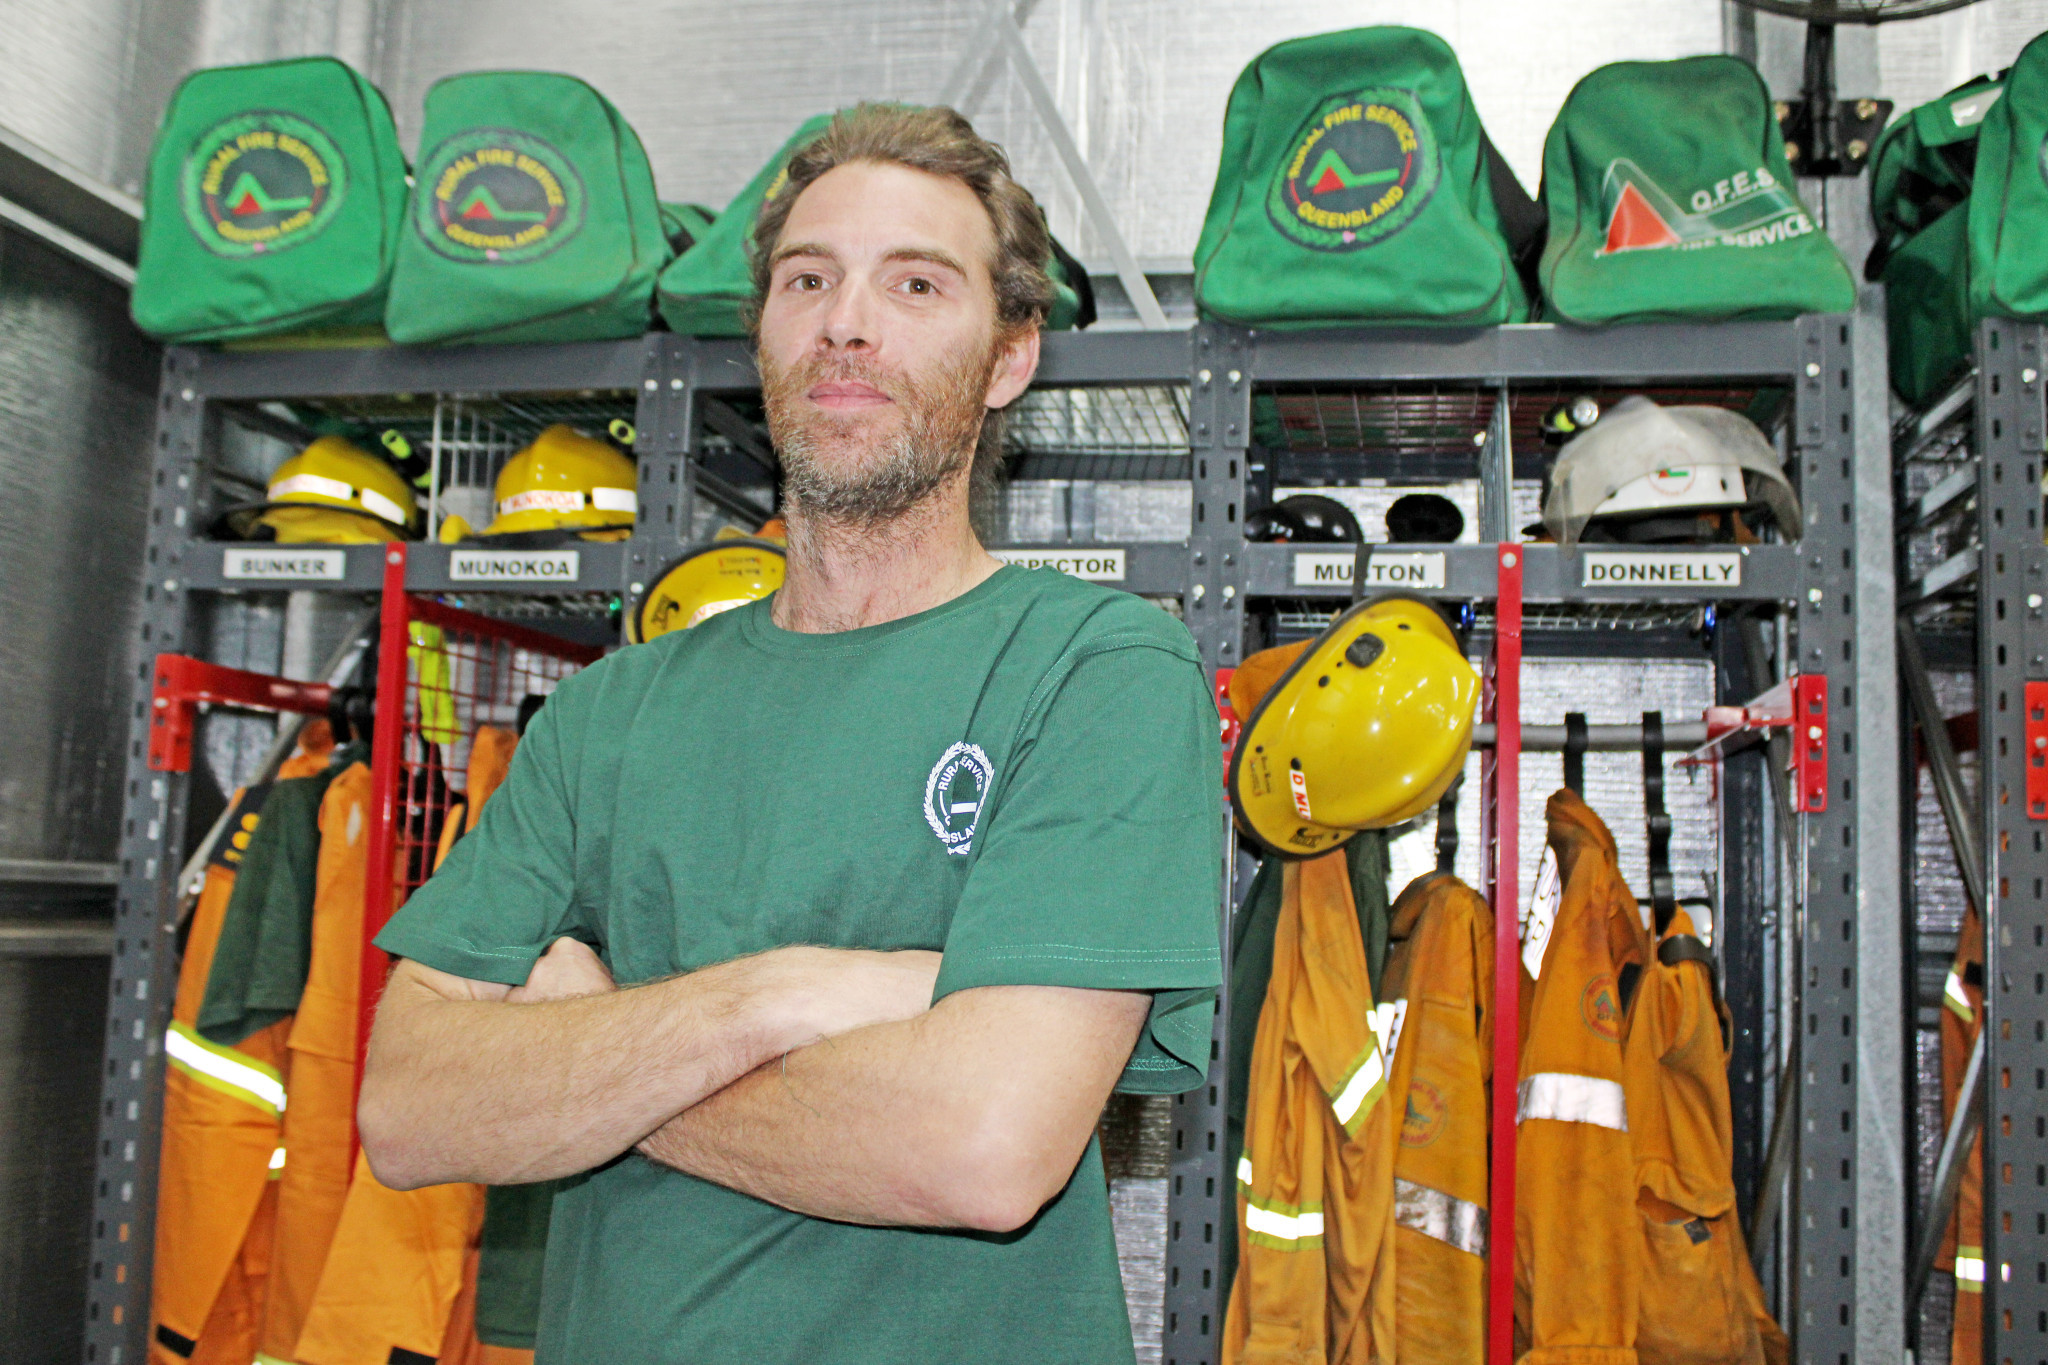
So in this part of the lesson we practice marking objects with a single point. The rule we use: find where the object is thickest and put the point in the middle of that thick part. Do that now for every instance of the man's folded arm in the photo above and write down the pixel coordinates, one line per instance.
(971, 1115)
(468, 1080)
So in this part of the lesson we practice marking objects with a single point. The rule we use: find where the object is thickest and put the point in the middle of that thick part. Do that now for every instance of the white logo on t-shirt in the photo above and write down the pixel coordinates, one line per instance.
(954, 793)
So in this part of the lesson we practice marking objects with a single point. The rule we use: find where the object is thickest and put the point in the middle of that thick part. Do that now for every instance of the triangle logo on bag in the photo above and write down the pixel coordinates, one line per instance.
(1634, 225)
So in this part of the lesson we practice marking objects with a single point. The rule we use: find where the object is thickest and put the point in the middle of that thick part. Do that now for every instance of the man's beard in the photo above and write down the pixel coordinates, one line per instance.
(834, 470)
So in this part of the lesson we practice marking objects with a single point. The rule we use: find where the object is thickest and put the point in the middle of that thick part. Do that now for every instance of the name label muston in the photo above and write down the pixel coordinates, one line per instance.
(1424, 570)
(1611, 569)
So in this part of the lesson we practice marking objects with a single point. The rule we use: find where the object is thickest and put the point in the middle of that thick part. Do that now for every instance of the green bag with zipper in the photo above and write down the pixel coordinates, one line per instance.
(1357, 186)
(709, 290)
(1938, 176)
(1669, 197)
(275, 200)
(533, 217)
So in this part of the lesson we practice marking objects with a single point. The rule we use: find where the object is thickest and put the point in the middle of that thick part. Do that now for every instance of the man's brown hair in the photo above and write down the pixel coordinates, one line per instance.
(938, 141)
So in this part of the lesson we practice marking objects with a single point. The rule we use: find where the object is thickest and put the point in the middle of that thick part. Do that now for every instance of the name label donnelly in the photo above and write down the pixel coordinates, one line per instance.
(1425, 570)
(1608, 569)
(514, 566)
(1097, 566)
(319, 566)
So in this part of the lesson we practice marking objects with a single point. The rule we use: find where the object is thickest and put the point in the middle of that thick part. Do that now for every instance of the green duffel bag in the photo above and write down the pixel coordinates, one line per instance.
(275, 202)
(1985, 142)
(1923, 165)
(2009, 197)
(1928, 319)
(1357, 185)
(1669, 197)
(709, 290)
(533, 217)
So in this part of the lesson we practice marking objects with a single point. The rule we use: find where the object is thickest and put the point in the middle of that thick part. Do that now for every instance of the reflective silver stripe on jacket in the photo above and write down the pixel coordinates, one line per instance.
(1436, 1214)
(1572, 1099)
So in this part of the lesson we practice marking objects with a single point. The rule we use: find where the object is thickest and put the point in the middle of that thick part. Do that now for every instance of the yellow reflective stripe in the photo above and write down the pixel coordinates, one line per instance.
(1958, 1003)
(277, 1163)
(224, 1069)
(1292, 1230)
(1970, 1269)
(1572, 1099)
(1364, 1085)
(1244, 1170)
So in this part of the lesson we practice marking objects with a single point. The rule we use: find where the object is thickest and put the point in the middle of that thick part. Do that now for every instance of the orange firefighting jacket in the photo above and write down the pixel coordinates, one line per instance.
(1315, 1184)
(318, 1124)
(1436, 1003)
(395, 1271)
(1578, 1257)
(1701, 1303)
(1962, 1017)
(215, 1192)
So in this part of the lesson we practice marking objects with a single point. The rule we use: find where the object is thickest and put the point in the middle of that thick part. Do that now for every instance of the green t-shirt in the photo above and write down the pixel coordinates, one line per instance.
(1026, 778)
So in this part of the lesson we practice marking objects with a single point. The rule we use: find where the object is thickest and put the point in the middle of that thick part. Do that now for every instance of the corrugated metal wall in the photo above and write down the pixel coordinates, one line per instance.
(77, 391)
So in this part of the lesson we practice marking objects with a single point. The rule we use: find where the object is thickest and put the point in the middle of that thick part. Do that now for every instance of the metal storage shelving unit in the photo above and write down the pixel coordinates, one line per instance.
(697, 449)
(1816, 583)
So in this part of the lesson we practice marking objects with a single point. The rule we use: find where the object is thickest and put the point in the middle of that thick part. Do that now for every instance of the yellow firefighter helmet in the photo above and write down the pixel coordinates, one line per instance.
(1364, 727)
(331, 493)
(565, 481)
(706, 581)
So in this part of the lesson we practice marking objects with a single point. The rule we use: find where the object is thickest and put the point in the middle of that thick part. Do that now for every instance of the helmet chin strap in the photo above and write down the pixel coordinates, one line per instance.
(1359, 564)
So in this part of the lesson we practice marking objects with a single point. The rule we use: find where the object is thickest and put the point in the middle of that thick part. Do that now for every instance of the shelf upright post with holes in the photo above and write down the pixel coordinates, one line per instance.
(2012, 681)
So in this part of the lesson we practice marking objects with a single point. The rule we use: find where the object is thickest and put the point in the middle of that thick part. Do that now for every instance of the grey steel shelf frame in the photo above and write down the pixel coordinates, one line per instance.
(1827, 363)
(1214, 573)
(2013, 645)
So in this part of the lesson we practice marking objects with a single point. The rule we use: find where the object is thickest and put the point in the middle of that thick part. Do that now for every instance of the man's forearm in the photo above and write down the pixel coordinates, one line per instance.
(475, 1089)
(923, 1122)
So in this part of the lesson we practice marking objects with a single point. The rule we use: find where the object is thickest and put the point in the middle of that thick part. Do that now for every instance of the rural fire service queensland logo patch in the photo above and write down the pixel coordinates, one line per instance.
(261, 181)
(1357, 172)
(1600, 1007)
(955, 793)
(492, 195)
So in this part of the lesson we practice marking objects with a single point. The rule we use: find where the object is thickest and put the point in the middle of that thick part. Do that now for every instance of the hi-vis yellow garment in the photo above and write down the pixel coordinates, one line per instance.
(1578, 1248)
(1315, 1185)
(1701, 1303)
(1436, 1014)
(395, 1269)
(1962, 1017)
(318, 1124)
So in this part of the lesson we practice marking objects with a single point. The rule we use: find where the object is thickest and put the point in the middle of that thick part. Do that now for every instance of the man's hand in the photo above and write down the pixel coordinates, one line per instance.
(567, 970)
(847, 988)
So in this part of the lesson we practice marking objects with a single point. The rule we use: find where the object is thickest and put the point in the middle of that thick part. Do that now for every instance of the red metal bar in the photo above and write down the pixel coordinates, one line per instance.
(519, 637)
(386, 774)
(1227, 714)
(1502, 792)
(182, 683)
(1810, 742)
(2034, 729)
